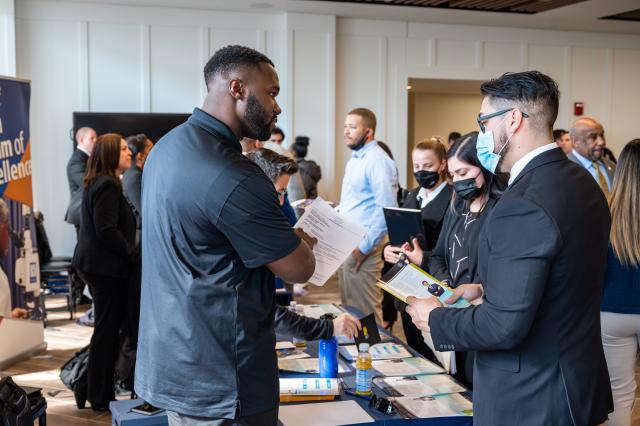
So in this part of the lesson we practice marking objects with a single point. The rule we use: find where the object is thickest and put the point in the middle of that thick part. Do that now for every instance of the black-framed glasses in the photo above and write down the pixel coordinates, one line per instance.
(382, 405)
(482, 118)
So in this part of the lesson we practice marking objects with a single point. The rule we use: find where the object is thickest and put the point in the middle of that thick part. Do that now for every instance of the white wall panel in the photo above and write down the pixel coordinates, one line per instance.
(419, 51)
(590, 87)
(507, 56)
(555, 62)
(227, 36)
(54, 67)
(456, 54)
(625, 95)
(116, 67)
(176, 70)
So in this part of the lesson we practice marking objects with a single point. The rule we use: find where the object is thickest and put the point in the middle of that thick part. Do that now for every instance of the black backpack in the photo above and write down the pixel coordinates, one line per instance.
(73, 375)
(14, 404)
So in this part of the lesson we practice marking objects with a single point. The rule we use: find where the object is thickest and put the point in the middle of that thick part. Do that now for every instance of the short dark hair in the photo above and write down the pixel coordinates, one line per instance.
(368, 117)
(558, 133)
(453, 136)
(464, 149)
(278, 131)
(532, 92)
(273, 164)
(300, 146)
(231, 58)
(137, 143)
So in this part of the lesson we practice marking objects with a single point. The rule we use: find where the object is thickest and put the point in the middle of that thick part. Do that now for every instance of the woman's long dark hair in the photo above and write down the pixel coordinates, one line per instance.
(464, 149)
(104, 159)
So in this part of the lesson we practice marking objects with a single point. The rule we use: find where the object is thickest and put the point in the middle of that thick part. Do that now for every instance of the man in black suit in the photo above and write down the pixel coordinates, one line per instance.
(85, 138)
(542, 256)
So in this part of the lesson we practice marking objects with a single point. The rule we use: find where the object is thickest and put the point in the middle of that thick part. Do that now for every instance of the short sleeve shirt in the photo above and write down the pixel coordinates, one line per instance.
(211, 222)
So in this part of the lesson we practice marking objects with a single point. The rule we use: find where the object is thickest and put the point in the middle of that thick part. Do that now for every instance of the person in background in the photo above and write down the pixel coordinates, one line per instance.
(275, 142)
(401, 191)
(104, 257)
(562, 138)
(453, 136)
(76, 168)
(608, 154)
(5, 288)
(432, 196)
(279, 170)
(370, 183)
(587, 138)
(620, 309)
(309, 170)
(454, 259)
(140, 147)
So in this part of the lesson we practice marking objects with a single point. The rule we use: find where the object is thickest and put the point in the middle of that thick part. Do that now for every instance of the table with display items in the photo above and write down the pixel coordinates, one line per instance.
(122, 416)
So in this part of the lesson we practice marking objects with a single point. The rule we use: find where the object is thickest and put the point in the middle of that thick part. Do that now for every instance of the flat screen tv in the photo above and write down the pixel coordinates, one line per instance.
(154, 125)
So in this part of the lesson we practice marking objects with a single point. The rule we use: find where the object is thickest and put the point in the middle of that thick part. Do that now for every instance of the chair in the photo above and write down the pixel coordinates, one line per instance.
(56, 273)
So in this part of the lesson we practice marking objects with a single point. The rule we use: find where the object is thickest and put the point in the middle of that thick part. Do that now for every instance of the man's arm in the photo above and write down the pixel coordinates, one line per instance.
(75, 174)
(299, 326)
(297, 267)
(524, 241)
(382, 178)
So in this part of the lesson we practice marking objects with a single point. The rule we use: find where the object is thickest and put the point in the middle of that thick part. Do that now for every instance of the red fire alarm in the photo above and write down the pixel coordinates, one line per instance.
(578, 108)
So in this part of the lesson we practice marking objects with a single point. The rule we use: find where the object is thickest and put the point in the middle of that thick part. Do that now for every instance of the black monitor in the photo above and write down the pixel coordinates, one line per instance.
(154, 125)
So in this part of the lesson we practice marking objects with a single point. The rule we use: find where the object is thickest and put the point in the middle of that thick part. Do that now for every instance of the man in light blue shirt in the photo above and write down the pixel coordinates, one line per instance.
(370, 183)
(587, 137)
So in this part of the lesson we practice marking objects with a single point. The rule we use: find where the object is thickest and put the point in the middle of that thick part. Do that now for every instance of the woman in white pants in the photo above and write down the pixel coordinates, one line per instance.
(621, 293)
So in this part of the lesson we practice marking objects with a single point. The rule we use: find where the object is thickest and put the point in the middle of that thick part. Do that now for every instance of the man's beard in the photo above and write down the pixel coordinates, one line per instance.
(257, 120)
(359, 144)
(503, 154)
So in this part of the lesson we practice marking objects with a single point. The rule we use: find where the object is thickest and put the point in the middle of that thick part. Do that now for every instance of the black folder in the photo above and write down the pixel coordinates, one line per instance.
(403, 225)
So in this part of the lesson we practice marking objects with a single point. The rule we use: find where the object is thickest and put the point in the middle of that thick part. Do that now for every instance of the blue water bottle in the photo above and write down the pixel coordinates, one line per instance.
(328, 358)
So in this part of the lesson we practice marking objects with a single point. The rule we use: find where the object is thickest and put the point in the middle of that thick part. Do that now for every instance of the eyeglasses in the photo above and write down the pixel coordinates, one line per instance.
(483, 118)
(382, 405)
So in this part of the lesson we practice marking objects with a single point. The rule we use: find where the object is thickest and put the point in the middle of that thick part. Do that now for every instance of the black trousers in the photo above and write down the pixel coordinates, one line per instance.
(109, 301)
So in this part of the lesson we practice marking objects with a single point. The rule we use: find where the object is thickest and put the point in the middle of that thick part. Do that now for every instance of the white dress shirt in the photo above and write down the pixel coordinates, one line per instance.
(425, 197)
(519, 165)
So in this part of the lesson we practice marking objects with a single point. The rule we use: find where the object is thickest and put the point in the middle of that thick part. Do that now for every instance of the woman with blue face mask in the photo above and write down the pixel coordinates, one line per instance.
(432, 197)
(454, 257)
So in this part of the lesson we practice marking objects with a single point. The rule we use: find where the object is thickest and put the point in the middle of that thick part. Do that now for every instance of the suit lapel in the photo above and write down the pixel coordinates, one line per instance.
(546, 157)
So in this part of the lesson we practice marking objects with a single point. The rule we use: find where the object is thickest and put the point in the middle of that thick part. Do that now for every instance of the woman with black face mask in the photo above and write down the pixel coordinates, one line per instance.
(454, 258)
(432, 196)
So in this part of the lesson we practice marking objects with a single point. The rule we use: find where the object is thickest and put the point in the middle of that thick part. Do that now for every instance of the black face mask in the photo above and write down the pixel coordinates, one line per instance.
(427, 179)
(467, 189)
(359, 144)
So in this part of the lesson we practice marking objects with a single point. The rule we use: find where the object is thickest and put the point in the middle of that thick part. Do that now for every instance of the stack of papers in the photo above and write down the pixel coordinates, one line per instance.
(379, 351)
(317, 386)
(406, 367)
(438, 406)
(323, 414)
(316, 311)
(426, 385)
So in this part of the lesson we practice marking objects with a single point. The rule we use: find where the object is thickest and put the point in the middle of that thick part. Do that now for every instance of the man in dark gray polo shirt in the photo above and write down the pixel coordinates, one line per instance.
(213, 237)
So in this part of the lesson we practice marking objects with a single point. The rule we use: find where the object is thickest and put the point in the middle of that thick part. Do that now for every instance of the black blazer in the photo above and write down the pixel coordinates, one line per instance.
(107, 231)
(437, 262)
(542, 256)
(76, 168)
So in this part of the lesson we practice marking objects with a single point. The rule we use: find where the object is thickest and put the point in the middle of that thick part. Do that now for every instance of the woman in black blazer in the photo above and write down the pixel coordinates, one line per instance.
(103, 258)
(432, 196)
(454, 259)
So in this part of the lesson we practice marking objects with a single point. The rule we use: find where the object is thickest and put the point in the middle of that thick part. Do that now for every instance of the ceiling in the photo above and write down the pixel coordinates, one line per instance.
(580, 16)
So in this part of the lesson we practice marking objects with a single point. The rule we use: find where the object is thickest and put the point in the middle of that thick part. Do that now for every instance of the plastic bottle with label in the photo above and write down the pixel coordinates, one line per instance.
(363, 370)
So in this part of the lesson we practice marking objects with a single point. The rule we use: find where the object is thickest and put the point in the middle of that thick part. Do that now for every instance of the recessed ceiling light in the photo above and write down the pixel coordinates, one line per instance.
(261, 6)
(409, 87)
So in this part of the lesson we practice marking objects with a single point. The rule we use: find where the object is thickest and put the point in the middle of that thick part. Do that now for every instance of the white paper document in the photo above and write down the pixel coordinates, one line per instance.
(337, 238)
(439, 406)
(378, 351)
(323, 414)
(426, 385)
(303, 365)
(406, 367)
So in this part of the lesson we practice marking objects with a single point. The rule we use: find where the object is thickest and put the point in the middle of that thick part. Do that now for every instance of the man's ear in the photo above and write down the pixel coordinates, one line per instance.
(237, 89)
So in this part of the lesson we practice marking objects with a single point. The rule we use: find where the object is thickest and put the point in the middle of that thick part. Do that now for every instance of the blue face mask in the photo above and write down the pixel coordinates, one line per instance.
(484, 149)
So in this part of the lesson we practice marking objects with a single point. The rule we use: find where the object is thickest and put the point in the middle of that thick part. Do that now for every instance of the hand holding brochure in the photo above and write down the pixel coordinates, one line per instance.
(406, 279)
(337, 238)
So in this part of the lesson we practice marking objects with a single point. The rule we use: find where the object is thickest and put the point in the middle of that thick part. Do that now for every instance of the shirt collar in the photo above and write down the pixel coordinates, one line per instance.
(519, 166)
(423, 196)
(83, 150)
(212, 125)
(363, 151)
(586, 163)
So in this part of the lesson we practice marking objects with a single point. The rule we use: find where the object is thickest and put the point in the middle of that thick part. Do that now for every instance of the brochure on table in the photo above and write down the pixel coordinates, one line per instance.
(425, 385)
(424, 407)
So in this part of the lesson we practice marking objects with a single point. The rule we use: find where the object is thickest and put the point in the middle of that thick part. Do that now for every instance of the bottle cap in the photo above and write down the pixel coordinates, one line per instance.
(363, 347)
